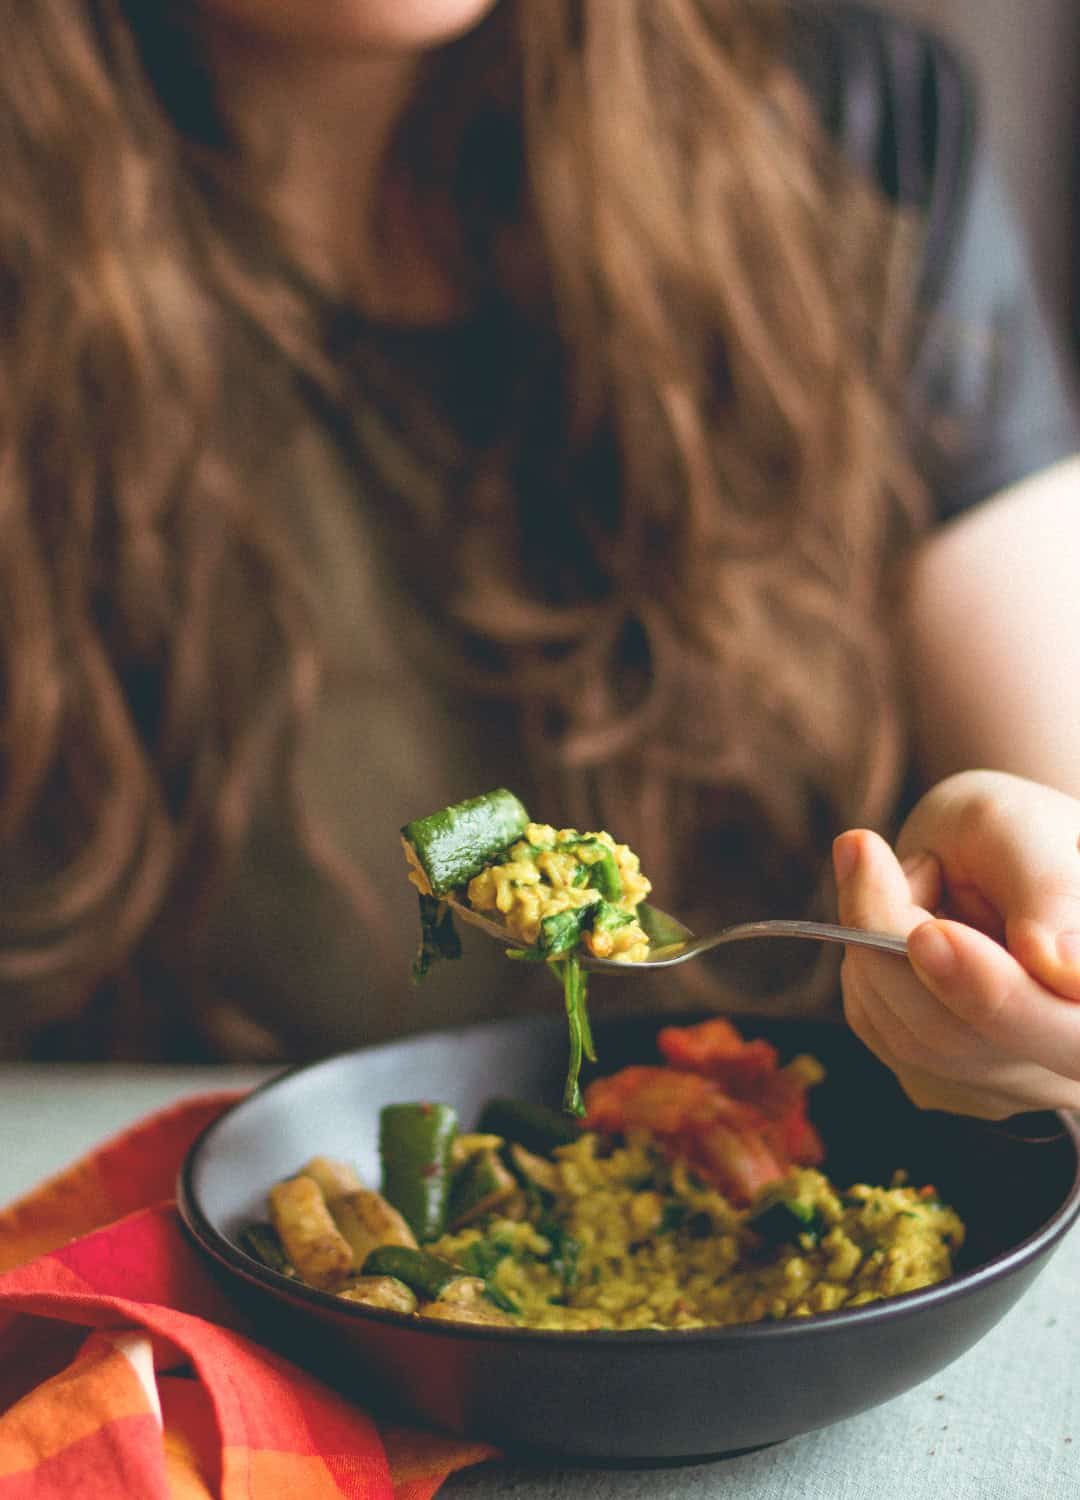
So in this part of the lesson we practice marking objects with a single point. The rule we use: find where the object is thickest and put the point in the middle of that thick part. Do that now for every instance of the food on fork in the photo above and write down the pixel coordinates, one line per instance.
(556, 891)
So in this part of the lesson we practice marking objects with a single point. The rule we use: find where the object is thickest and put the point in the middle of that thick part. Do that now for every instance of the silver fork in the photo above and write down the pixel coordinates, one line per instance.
(671, 943)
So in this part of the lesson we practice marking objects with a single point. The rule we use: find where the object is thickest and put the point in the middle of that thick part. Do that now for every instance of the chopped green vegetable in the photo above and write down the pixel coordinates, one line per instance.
(478, 1187)
(453, 845)
(533, 1126)
(415, 1141)
(561, 932)
(482, 1256)
(428, 1275)
(577, 1018)
(609, 918)
(606, 878)
(603, 872)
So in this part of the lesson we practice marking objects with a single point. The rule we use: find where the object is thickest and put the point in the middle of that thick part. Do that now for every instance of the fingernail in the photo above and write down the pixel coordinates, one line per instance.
(1068, 947)
(932, 951)
(845, 858)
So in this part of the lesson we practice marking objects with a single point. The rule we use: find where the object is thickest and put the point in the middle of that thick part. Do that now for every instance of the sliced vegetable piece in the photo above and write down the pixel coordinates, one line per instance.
(367, 1220)
(428, 1275)
(311, 1239)
(449, 847)
(415, 1145)
(334, 1177)
(478, 1188)
(444, 1289)
(381, 1291)
(536, 1127)
(538, 1171)
(470, 1299)
(479, 1310)
(473, 1143)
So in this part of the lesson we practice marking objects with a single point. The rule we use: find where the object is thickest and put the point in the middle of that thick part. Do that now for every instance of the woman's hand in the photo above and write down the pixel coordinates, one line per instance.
(985, 885)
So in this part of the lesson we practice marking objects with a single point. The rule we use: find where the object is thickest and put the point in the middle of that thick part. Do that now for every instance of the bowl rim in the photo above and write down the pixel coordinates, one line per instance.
(888, 1309)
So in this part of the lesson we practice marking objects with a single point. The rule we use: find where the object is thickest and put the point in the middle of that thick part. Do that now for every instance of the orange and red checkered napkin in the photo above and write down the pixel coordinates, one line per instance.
(125, 1371)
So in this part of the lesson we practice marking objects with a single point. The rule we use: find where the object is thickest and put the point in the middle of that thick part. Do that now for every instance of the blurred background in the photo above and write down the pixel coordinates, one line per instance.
(1027, 56)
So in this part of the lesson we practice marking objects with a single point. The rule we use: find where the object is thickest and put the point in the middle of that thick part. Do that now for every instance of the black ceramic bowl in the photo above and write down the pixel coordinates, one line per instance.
(642, 1396)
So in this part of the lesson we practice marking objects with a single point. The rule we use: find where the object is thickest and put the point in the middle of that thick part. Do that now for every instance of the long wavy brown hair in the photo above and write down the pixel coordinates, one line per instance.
(691, 612)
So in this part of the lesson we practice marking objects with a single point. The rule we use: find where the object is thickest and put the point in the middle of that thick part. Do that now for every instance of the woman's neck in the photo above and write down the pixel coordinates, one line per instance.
(324, 124)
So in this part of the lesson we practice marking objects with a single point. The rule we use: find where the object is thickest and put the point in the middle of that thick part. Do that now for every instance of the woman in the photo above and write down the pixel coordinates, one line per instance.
(407, 396)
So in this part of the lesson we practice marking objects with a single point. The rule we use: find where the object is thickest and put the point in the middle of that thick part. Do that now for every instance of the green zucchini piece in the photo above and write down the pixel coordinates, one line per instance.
(482, 1184)
(428, 1275)
(415, 1141)
(453, 845)
(533, 1126)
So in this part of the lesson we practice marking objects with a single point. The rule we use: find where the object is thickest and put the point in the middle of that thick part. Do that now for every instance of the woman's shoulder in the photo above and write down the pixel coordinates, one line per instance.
(989, 370)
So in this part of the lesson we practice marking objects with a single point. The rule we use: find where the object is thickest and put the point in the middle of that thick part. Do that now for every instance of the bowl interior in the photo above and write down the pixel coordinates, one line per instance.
(634, 1396)
(870, 1128)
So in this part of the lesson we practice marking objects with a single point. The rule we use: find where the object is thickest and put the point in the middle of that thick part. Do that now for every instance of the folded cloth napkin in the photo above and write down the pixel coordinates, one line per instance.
(125, 1371)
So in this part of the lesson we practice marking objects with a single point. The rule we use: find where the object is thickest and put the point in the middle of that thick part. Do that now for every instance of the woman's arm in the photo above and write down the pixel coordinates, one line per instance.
(985, 878)
(992, 636)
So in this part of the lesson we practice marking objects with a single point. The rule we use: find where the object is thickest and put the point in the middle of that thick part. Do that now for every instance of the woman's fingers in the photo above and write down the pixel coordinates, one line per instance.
(1009, 850)
(963, 1025)
(987, 989)
(873, 890)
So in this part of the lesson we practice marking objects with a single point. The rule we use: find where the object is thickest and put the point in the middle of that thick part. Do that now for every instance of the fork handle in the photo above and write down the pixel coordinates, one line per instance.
(822, 932)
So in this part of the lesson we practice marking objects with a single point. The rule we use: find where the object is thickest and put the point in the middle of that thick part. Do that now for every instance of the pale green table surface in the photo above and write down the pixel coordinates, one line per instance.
(1001, 1423)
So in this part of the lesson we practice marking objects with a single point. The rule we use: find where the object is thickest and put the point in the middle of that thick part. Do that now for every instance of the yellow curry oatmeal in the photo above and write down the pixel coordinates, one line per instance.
(630, 1242)
(549, 872)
